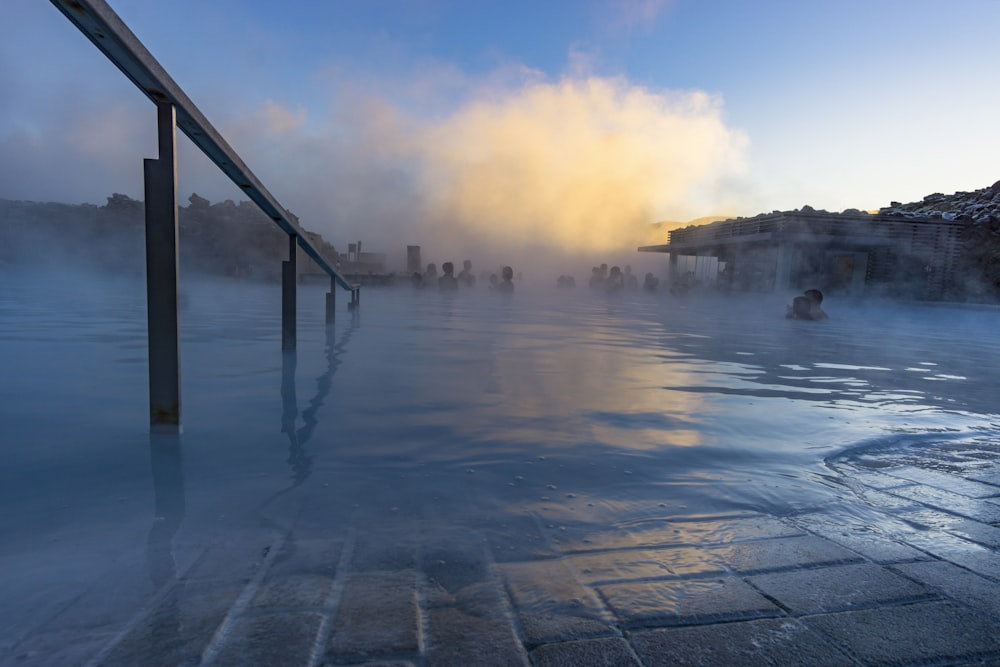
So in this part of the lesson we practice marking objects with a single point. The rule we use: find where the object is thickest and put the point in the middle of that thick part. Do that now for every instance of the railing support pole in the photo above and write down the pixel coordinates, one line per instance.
(288, 296)
(331, 301)
(162, 277)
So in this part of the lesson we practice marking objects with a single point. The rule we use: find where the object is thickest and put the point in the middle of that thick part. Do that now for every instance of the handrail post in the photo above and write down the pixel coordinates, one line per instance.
(288, 296)
(162, 277)
(331, 301)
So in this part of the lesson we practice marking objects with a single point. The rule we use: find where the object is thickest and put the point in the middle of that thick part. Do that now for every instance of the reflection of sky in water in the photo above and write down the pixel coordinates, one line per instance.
(564, 406)
(468, 378)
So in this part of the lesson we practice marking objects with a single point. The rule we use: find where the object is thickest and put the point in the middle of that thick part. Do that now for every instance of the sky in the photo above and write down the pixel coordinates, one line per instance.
(508, 127)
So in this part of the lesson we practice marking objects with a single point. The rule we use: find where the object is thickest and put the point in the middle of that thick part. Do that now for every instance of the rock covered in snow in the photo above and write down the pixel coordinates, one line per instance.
(978, 206)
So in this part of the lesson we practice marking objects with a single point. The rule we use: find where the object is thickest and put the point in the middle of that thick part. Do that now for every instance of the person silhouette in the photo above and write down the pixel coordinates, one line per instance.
(448, 281)
(631, 281)
(506, 283)
(616, 281)
(596, 279)
(806, 306)
(465, 276)
(431, 274)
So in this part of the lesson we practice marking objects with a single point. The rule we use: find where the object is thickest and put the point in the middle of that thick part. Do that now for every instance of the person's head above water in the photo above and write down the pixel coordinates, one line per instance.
(508, 273)
(448, 268)
(807, 306)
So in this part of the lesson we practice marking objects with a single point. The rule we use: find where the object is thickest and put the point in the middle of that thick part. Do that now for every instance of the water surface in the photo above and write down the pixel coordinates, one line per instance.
(462, 414)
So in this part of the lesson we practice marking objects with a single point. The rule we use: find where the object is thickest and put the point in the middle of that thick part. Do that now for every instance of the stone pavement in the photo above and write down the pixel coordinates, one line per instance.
(905, 572)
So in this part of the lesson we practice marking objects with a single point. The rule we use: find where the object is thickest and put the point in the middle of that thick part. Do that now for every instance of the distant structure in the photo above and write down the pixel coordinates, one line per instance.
(362, 268)
(852, 253)
(413, 263)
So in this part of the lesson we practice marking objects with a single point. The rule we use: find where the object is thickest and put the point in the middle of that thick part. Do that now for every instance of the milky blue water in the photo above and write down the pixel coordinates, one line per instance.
(442, 410)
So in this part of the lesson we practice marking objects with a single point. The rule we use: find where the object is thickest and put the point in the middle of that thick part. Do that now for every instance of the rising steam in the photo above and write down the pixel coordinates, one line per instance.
(578, 167)
(581, 166)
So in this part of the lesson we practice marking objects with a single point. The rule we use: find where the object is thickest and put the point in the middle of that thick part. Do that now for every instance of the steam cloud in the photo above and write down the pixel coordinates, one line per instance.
(509, 170)
(578, 167)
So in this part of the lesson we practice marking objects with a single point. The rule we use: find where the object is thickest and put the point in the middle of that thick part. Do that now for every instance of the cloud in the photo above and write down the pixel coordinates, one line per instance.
(578, 166)
(628, 14)
(278, 120)
(493, 168)
(77, 153)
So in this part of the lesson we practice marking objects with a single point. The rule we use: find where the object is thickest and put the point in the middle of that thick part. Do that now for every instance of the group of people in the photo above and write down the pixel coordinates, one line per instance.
(806, 306)
(612, 280)
(448, 281)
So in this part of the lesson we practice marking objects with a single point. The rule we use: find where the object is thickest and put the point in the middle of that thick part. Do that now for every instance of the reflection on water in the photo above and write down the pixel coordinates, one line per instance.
(461, 416)
(299, 460)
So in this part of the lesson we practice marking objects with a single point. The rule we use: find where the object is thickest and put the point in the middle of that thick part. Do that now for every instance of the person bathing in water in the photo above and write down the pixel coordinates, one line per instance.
(506, 284)
(807, 306)
(448, 281)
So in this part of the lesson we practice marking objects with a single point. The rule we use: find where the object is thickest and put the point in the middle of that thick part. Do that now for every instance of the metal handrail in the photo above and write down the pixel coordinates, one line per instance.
(108, 32)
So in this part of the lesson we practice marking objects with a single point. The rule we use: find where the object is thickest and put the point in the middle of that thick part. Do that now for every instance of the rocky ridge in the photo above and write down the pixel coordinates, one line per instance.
(979, 206)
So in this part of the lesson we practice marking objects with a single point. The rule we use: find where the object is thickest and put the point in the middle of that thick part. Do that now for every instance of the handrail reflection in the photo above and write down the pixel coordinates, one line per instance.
(167, 466)
(299, 460)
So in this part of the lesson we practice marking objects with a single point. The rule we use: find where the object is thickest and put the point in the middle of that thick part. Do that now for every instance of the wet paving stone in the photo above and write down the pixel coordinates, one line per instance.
(290, 591)
(586, 653)
(592, 539)
(467, 615)
(784, 553)
(472, 633)
(987, 476)
(270, 639)
(876, 541)
(884, 500)
(979, 559)
(180, 627)
(838, 588)
(686, 602)
(974, 531)
(630, 565)
(724, 530)
(946, 482)
(516, 538)
(57, 648)
(777, 642)
(909, 634)
(957, 583)
(377, 615)
(977, 509)
(551, 605)
(870, 478)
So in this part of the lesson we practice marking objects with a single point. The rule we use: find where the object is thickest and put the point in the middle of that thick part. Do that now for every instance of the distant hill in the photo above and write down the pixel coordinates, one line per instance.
(224, 238)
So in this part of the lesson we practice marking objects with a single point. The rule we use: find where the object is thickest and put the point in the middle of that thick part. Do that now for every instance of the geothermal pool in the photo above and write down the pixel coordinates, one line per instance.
(461, 415)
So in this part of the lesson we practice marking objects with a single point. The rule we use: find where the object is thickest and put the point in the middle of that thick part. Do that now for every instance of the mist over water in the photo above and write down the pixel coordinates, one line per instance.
(513, 166)
(434, 411)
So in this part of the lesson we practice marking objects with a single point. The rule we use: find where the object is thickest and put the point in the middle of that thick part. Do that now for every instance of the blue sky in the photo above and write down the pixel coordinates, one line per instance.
(574, 123)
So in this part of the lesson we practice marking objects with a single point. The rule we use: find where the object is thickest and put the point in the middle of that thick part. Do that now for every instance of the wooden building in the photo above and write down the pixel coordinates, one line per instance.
(850, 253)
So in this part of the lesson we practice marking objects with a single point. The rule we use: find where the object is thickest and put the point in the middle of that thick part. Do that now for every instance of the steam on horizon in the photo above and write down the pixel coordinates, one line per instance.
(514, 169)
(578, 167)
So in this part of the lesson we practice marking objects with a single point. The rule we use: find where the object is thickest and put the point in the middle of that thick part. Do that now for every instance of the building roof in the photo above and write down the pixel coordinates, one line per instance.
(807, 226)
